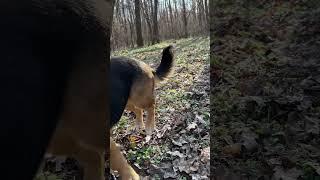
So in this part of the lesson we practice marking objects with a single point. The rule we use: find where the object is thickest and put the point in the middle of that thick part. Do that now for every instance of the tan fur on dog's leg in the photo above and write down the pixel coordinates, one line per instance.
(119, 163)
(139, 119)
(139, 116)
(150, 122)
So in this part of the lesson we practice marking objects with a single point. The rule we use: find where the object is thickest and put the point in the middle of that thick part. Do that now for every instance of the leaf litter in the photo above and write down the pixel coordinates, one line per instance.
(265, 90)
(179, 147)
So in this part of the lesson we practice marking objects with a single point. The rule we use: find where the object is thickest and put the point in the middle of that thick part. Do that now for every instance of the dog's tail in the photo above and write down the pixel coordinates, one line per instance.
(166, 65)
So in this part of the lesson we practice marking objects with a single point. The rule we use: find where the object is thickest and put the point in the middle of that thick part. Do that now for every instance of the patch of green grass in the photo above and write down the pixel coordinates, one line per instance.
(123, 122)
(152, 153)
(41, 176)
(173, 95)
(206, 116)
(156, 177)
(183, 178)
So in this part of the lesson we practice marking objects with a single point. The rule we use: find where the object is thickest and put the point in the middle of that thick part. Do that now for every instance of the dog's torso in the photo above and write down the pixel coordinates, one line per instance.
(139, 80)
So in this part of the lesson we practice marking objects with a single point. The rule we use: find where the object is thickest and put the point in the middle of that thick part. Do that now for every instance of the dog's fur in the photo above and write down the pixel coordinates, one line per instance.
(52, 54)
(141, 80)
(53, 81)
(53, 71)
(82, 130)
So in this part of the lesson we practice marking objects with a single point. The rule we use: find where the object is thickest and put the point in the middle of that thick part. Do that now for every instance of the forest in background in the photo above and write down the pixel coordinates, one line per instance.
(146, 22)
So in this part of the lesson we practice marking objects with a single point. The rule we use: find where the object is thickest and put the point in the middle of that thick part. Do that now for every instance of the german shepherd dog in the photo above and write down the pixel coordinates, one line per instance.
(133, 84)
(142, 79)
(54, 86)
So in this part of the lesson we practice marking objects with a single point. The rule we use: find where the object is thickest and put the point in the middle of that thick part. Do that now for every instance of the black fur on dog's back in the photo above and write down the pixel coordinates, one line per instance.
(122, 74)
(165, 67)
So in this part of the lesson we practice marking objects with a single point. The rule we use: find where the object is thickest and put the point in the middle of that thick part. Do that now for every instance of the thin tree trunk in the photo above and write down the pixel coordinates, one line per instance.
(155, 23)
(125, 23)
(206, 10)
(148, 20)
(130, 23)
(138, 23)
(171, 16)
(185, 21)
(177, 19)
(200, 14)
(166, 13)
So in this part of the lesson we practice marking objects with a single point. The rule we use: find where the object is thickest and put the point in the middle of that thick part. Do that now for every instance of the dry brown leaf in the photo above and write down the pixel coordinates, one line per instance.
(191, 126)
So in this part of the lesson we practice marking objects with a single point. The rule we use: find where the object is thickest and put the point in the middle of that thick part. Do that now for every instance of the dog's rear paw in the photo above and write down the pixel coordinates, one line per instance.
(149, 130)
(150, 127)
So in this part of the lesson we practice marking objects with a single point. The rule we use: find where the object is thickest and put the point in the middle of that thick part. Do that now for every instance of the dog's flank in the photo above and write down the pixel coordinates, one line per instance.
(166, 65)
(140, 79)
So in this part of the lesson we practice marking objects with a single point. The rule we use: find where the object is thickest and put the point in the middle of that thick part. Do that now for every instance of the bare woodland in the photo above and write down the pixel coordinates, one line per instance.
(144, 22)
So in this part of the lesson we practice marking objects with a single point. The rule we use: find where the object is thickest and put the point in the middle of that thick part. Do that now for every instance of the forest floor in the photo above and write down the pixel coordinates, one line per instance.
(265, 90)
(179, 148)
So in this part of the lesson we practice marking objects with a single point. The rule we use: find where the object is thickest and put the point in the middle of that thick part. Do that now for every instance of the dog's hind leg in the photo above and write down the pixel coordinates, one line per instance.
(119, 163)
(139, 119)
(150, 122)
(139, 116)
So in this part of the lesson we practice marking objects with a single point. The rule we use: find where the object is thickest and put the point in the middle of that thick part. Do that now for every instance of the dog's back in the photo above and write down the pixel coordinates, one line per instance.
(123, 72)
(138, 80)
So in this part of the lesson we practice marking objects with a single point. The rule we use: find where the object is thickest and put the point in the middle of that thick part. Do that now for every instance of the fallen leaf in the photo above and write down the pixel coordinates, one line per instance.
(180, 142)
(176, 153)
(205, 155)
(200, 119)
(194, 167)
(191, 126)
(283, 174)
(198, 177)
(148, 138)
(164, 129)
(169, 174)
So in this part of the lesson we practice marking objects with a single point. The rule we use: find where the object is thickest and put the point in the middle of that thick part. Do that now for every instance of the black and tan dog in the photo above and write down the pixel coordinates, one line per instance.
(142, 80)
(54, 85)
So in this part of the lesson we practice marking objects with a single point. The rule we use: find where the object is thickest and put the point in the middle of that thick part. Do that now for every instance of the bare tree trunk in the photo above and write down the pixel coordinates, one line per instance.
(185, 21)
(207, 11)
(125, 22)
(155, 23)
(115, 26)
(194, 15)
(158, 20)
(176, 18)
(200, 14)
(166, 13)
(146, 14)
(138, 23)
(171, 16)
(131, 23)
